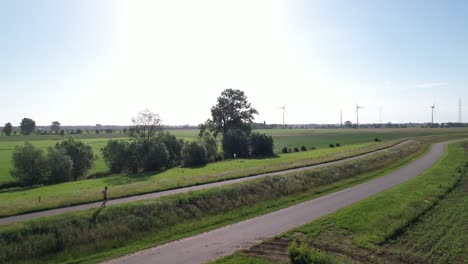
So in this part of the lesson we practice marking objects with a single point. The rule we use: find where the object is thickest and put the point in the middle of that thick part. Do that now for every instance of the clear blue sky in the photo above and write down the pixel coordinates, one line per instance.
(88, 62)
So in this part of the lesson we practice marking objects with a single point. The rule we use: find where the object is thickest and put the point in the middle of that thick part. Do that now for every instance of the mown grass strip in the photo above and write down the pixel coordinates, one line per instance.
(94, 235)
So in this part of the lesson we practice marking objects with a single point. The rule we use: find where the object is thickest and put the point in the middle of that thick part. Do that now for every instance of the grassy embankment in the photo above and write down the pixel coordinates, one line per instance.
(15, 201)
(420, 221)
(93, 235)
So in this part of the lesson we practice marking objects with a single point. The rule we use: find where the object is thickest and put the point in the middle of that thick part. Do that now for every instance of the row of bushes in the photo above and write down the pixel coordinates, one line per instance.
(289, 150)
(166, 151)
(115, 226)
(72, 159)
(236, 143)
(66, 161)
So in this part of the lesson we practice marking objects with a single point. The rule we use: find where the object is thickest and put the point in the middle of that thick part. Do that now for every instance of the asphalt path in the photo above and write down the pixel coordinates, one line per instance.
(223, 241)
(28, 216)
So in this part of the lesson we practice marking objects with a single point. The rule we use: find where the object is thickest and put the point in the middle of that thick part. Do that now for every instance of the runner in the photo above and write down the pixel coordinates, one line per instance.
(104, 197)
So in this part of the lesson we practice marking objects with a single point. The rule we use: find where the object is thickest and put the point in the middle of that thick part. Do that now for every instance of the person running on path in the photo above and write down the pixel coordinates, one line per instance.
(104, 197)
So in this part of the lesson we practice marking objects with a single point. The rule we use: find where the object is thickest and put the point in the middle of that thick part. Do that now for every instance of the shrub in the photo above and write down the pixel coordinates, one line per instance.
(157, 156)
(146, 156)
(29, 164)
(194, 153)
(304, 254)
(135, 157)
(377, 140)
(211, 146)
(312, 148)
(289, 150)
(331, 146)
(81, 154)
(235, 142)
(116, 155)
(59, 166)
(284, 150)
(174, 147)
(303, 148)
(296, 149)
(261, 144)
(337, 145)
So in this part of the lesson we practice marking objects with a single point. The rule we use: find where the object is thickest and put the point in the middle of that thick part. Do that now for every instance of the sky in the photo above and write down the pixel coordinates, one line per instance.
(88, 62)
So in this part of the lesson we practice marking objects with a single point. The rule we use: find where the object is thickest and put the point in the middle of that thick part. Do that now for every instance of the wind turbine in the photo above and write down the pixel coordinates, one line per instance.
(357, 115)
(341, 118)
(284, 110)
(432, 114)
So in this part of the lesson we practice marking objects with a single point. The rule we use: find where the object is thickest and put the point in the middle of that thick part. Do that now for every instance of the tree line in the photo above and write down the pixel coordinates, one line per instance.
(28, 127)
(149, 147)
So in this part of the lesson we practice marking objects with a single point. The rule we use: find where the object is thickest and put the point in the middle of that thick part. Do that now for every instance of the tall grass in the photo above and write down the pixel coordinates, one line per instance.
(94, 231)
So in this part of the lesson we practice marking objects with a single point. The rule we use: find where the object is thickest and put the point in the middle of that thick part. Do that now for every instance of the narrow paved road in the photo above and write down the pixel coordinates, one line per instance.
(226, 240)
(28, 216)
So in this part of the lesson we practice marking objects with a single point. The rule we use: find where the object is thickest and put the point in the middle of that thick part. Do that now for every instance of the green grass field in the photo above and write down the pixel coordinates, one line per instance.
(6, 150)
(378, 218)
(436, 236)
(399, 224)
(290, 138)
(122, 229)
(14, 201)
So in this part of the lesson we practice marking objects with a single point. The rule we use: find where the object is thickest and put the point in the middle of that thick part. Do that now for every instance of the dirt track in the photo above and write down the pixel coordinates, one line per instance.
(28, 216)
(226, 240)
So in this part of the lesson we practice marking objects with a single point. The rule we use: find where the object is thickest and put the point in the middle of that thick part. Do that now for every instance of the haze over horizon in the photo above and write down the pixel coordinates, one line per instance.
(89, 62)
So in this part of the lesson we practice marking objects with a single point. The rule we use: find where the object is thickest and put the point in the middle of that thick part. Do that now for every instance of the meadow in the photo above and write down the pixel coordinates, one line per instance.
(289, 138)
(21, 200)
(6, 150)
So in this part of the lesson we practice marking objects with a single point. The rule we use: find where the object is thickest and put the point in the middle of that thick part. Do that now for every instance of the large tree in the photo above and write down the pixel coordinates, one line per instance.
(55, 126)
(146, 126)
(231, 112)
(81, 155)
(29, 164)
(27, 126)
(7, 129)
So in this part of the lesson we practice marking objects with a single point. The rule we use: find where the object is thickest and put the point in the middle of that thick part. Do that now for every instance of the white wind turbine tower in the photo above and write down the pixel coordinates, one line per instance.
(284, 110)
(357, 115)
(432, 114)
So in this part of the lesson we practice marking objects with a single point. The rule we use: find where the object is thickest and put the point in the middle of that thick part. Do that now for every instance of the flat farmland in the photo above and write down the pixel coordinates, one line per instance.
(289, 138)
(322, 138)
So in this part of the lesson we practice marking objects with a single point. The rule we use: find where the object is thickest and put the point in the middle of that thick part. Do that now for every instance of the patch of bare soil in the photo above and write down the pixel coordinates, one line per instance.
(275, 250)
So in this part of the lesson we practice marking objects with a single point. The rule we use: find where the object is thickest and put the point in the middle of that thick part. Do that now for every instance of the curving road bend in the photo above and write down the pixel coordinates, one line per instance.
(223, 241)
(28, 216)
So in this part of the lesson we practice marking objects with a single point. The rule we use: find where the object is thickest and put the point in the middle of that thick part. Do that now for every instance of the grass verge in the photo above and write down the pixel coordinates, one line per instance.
(93, 235)
(437, 235)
